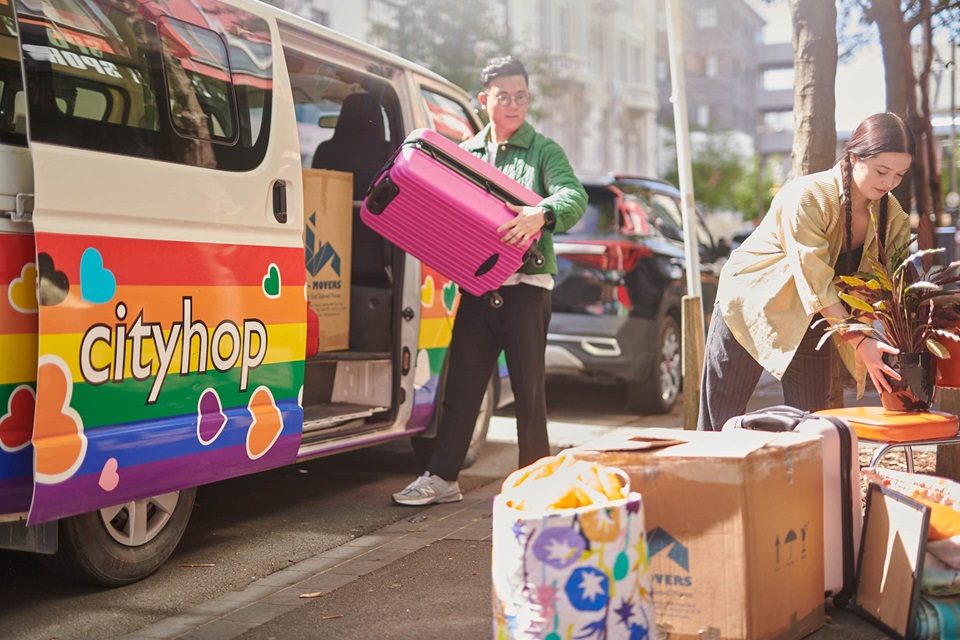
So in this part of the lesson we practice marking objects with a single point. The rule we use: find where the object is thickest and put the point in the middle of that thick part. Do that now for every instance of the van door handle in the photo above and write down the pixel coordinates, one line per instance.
(280, 201)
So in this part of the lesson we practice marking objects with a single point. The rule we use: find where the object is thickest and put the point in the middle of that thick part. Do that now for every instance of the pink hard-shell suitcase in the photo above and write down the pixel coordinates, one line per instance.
(842, 510)
(443, 205)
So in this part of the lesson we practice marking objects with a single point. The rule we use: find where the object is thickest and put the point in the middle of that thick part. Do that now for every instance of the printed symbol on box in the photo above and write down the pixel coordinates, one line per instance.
(790, 537)
(658, 540)
(317, 257)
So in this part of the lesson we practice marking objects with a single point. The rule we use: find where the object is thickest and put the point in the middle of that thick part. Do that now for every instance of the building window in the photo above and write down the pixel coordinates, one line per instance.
(596, 47)
(566, 37)
(711, 66)
(546, 25)
(707, 18)
(622, 59)
(703, 116)
(663, 70)
(778, 122)
(777, 79)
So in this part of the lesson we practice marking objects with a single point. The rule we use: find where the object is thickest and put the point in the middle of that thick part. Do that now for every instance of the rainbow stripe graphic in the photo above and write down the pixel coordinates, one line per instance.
(440, 298)
(162, 365)
(18, 369)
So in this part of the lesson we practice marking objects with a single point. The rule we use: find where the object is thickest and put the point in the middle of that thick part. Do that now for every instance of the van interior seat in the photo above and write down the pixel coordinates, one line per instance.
(358, 146)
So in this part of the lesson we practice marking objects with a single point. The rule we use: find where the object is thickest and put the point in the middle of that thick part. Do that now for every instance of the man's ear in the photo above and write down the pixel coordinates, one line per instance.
(482, 98)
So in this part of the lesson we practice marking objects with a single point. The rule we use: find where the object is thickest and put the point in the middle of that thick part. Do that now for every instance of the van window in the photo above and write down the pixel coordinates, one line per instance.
(13, 116)
(447, 116)
(346, 120)
(95, 83)
(198, 81)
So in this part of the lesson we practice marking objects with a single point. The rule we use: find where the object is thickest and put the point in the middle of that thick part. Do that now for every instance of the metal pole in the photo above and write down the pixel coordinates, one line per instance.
(679, 99)
(692, 310)
(953, 111)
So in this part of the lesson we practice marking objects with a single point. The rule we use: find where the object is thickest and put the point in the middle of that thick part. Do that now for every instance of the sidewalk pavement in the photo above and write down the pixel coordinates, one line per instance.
(424, 577)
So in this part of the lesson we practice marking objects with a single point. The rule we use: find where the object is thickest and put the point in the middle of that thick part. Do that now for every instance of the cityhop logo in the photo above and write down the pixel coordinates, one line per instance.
(317, 257)
(659, 540)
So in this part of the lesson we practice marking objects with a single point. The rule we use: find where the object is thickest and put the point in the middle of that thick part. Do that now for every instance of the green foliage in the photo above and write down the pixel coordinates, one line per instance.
(753, 193)
(723, 180)
(902, 303)
(454, 39)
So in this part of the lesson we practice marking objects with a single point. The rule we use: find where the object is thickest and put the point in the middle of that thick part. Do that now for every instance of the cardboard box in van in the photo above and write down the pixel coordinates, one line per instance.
(328, 228)
(734, 528)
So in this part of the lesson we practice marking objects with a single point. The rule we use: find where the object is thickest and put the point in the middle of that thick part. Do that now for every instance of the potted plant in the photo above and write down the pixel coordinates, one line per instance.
(910, 307)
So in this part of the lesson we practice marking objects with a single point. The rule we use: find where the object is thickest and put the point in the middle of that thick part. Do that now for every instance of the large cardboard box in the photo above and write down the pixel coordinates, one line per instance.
(328, 228)
(734, 528)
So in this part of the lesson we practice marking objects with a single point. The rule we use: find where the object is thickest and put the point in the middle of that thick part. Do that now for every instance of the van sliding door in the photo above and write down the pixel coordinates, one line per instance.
(168, 238)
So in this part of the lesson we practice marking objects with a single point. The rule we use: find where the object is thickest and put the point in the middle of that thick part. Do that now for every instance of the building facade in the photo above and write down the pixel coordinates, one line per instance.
(592, 65)
(736, 85)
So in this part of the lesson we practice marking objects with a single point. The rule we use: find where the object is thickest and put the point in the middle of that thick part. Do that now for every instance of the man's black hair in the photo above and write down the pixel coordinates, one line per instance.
(503, 66)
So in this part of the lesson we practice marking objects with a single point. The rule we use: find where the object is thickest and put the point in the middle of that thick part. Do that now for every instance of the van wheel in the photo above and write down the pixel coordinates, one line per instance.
(122, 544)
(423, 447)
(659, 392)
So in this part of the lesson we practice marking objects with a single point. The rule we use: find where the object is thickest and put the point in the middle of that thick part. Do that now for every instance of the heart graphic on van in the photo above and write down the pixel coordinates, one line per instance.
(449, 296)
(97, 284)
(22, 292)
(59, 442)
(267, 423)
(271, 282)
(211, 419)
(54, 285)
(16, 426)
(109, 478)
(427, 292)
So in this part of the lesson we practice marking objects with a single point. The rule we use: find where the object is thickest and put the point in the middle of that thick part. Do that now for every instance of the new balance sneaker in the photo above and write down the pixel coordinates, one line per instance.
(428, 489)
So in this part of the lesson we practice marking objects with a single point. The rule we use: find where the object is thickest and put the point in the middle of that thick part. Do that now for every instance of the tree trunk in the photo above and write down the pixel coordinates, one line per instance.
(814, 99)
(815, 73)
(931, 174)
(897, 70)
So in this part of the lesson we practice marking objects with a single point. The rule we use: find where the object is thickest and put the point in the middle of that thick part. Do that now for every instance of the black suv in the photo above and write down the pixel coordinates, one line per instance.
(617, 297)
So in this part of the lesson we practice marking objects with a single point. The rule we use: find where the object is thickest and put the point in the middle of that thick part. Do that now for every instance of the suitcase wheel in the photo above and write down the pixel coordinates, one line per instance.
(534, 256)
(381, 195)
(496, 301)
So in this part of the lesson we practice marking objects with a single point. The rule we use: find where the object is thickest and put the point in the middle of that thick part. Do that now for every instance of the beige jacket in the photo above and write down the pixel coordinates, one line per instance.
(782, 275)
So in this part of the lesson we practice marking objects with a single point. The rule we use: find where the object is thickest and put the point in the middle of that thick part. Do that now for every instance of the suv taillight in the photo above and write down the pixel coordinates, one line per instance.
(605, 255)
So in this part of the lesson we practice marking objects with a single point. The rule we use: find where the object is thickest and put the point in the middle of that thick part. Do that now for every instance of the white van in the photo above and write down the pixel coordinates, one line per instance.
(188, 293)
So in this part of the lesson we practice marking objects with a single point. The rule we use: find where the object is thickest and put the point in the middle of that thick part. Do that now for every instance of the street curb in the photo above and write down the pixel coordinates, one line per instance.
(237, 612)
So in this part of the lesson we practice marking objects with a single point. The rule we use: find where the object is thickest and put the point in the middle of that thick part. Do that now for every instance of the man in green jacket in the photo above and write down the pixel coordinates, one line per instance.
(519, 326)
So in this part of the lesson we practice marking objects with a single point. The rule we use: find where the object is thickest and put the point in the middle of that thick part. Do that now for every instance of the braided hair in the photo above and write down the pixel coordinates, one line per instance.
(879, 133)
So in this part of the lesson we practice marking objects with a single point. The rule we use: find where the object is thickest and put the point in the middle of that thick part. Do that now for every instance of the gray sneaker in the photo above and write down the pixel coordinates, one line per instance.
(428, 489)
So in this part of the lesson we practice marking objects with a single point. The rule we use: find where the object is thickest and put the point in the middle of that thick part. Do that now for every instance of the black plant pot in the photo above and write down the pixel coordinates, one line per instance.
(914, 390)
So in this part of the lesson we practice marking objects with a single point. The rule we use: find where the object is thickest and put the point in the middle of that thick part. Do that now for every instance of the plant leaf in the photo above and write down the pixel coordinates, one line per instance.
(937, 349)
(856, 303)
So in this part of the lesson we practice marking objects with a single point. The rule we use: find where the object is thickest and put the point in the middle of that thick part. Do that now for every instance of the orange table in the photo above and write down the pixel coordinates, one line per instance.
(891, 429)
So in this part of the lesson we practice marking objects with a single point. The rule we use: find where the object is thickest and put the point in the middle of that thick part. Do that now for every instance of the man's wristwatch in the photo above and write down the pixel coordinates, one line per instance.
(549, 219)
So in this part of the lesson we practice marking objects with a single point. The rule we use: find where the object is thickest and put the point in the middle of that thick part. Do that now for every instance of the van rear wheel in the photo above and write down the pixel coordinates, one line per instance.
(122, 544)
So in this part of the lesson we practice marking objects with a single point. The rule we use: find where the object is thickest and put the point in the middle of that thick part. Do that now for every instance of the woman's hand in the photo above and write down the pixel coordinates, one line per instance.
(871, 352)
(528, 222)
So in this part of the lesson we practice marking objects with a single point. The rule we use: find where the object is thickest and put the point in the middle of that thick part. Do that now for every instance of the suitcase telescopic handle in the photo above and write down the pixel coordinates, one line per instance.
(469, 173)
(384, 169)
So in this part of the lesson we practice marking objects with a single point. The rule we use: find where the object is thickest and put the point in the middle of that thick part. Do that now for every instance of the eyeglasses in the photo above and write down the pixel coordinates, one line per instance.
(504, 99)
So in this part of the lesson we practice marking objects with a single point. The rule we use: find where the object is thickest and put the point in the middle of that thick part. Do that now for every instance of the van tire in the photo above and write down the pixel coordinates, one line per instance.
(89, 553)
(660, 391)
(423, 447)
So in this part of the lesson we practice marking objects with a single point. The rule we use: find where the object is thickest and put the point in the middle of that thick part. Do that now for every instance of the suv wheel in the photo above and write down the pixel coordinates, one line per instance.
(659, 392)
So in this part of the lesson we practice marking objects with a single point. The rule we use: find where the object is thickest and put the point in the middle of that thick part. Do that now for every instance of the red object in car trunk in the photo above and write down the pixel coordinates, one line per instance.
(606, 255)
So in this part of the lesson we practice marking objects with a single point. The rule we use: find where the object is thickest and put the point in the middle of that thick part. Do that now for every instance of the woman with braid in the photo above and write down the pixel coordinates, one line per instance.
(781, 280)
